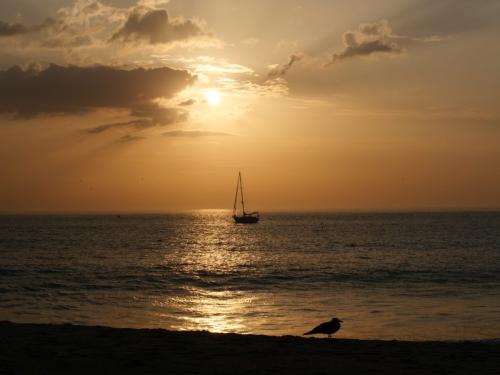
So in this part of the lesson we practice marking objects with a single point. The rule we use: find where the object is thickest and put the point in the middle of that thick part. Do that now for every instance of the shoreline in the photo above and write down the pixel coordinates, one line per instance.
(65, 348)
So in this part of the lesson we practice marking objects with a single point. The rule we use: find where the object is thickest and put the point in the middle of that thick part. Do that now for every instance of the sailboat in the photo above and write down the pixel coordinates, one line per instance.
(245, 217)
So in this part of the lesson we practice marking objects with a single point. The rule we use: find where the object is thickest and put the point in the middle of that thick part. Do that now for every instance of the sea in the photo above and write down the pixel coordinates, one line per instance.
(405, 276)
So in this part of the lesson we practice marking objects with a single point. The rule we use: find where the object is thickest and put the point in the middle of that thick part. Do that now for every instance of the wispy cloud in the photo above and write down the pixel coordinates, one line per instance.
(280, 70)
(138, 124)
(128, 138)
(195, 133)
(252, 41)
(187, 102)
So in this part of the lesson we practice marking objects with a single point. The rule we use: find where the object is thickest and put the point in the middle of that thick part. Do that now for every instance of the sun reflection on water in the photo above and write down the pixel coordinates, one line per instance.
(214, 311)
(214, 249)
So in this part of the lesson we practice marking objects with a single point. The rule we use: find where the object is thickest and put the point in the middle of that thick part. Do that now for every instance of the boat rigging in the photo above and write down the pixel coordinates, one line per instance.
(244, 217)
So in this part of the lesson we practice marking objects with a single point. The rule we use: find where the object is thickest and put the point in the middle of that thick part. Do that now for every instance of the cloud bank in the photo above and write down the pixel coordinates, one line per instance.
(69, 90)
(90, 23)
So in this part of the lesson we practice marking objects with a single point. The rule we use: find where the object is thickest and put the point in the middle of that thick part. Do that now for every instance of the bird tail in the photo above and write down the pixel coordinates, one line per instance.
(308, 333)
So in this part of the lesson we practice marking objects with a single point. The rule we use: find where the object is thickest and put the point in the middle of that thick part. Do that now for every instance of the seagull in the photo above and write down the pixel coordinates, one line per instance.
(327, 328)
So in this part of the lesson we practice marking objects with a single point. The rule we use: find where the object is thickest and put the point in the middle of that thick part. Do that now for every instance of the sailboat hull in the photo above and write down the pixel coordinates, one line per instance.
(246, 219)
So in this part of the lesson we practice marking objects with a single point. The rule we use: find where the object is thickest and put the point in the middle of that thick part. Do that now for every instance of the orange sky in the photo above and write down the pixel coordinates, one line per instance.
(155, 106)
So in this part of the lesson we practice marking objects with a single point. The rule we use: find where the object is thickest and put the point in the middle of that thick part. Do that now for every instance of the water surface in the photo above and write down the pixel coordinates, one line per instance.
(418, 276)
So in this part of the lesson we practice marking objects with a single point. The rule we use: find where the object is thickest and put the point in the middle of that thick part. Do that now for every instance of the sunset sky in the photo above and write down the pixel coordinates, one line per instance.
(154, 106)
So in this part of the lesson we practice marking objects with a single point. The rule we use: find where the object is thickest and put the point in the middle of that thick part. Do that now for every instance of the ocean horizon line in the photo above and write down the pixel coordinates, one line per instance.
(271, 211)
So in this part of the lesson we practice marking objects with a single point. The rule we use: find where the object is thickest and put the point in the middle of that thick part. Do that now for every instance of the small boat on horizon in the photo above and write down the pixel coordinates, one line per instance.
(245, 217)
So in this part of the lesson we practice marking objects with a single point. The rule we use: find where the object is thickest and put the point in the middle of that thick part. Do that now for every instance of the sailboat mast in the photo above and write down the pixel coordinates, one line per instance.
(236, 194)
(241, 190)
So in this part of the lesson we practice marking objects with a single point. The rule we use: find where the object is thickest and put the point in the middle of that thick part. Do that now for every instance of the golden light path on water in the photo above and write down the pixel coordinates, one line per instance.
(212, 252)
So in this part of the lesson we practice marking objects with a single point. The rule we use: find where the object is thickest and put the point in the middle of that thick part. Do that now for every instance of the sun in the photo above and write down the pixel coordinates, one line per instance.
(212, 97)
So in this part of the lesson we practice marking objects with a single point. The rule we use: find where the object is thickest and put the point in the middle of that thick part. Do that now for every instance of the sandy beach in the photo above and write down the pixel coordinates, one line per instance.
(45, 348)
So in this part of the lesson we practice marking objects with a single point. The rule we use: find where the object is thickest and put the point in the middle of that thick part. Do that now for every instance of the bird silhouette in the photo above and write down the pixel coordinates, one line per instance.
(328, 328)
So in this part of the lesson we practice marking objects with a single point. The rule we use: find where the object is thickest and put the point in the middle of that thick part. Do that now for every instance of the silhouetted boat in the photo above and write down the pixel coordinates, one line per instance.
(245, 217)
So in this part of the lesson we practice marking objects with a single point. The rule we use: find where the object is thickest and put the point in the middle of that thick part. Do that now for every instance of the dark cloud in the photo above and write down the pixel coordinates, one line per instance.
(368, 39)
(187, 102)
(365, 48)
(281, 70)
(195, 133)
(73, 89)
(10, 29)
(154, 26)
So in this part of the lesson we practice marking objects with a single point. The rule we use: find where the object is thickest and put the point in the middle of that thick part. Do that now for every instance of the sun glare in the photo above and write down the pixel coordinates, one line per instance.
(212, 97)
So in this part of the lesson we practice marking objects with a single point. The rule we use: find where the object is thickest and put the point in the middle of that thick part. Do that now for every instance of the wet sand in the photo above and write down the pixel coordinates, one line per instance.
(64, 349)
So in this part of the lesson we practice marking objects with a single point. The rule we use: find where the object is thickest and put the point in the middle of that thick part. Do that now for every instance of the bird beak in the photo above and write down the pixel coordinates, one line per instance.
(341, 321)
